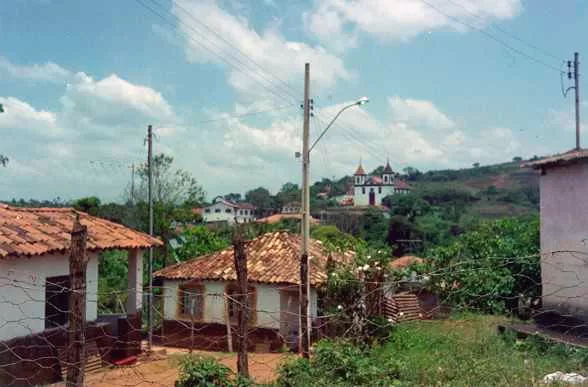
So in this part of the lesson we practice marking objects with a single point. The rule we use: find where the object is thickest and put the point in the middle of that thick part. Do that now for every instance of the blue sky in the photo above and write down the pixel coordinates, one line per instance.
(81, 80)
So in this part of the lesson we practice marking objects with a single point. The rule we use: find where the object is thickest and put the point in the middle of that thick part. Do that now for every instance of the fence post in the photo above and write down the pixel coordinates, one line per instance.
(229, 334)
(77, 305)
(242, 301)
(192, 308)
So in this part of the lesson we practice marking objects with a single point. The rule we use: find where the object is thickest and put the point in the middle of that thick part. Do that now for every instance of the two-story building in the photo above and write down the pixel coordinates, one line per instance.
(223, 210)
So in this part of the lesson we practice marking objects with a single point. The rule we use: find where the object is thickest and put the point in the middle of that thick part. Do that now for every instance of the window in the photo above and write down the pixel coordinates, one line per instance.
(217, 210)
(363, 190)
(191, 301)
(57, 290)
(232, 291)
(207, 210)
(372, 189)
(228, 210)
(379, 190)
(386, 177)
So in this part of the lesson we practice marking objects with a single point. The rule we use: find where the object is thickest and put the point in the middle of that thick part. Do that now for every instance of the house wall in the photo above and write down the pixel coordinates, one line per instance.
(564, 227)
(361, 199)
(268, 303)
(243, 216)
(22, 295)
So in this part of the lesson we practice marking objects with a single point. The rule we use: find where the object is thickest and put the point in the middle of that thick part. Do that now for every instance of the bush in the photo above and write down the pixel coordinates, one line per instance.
(200, 371)
(338, 363)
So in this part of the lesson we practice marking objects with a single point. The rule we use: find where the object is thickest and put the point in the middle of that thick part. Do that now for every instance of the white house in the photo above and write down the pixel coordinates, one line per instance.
(223, 210)
(34, 274)
(195, 290)
(371, 190)
(291, 208)
(563, 188)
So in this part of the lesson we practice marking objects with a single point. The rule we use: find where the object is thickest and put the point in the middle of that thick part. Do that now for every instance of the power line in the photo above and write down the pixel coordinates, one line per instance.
(507, 33)
(221, 57)
(287, 86)
(247, 114)
(490, 36)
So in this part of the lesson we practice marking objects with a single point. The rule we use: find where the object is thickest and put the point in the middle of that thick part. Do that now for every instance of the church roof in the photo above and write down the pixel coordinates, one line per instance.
(360, 171)
(388, 168)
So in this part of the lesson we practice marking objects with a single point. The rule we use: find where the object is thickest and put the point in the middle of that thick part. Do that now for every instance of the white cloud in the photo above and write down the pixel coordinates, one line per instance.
(564, 120)
(270, 51)
(419, 113)
(399, 20)
(46, 72)
(111, 98)
(19, 115)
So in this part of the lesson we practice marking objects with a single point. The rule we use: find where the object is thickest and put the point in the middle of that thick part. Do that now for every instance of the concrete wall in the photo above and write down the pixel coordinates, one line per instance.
(564, 227)
(268, 303)
(22, 291)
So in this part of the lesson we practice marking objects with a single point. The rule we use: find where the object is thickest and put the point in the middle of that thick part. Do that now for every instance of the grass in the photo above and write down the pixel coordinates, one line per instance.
(468, 351)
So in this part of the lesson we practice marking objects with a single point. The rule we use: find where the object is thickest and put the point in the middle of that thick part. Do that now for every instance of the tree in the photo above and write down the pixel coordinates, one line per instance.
(288, 193)
(261, 198)
(410, 205)
(517, 159)
(197, 241)
(173, 186)
(233, 197)
(90, 205)
(490, 267)
(3, 160)
(175, 193)
(476, 165)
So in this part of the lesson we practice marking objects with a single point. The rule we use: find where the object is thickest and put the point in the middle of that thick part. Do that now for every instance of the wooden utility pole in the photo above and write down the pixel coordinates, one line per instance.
(77, 305)
(242, 300)
(229, 332)
(150, 269)
(304, 294)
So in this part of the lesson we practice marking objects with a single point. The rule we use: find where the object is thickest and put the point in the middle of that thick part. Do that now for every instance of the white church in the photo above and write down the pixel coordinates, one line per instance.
(371, 190)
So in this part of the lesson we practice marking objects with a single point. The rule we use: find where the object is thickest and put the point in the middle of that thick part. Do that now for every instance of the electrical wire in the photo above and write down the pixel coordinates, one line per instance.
(507, 33)
(221, 57)
(492, 37)
(247, 114)
(287, 87)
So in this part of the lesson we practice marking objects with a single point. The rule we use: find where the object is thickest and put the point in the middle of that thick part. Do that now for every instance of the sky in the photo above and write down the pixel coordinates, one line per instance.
(450, 83)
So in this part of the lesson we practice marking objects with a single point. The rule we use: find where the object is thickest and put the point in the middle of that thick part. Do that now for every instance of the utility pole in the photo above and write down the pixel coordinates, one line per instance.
(150, 199)
(304, 325)
(577, 89)
(576, 75)
(132, 183)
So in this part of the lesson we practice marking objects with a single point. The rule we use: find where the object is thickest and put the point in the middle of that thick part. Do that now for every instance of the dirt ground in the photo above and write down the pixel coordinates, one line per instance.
(161, 371)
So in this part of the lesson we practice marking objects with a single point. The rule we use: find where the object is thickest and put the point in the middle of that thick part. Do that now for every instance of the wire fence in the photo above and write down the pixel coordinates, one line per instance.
(202, 316)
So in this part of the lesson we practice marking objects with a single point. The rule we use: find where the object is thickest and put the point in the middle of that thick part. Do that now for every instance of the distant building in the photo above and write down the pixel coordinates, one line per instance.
(563, 188)
(371, 190)
(291, 208)
(223, 210)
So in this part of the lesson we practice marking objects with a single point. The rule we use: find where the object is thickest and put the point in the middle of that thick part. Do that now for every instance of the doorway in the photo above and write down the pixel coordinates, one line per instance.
(372, 198)
(57, 290)
(289, 312)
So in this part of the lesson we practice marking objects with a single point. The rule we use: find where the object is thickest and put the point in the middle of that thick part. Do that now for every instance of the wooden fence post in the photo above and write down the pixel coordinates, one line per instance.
(242, 301)
(229, 333)
(78, 261)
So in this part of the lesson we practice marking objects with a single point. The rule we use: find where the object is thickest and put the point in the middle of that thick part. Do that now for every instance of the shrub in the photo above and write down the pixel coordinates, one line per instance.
(338, 363)
(200, 371)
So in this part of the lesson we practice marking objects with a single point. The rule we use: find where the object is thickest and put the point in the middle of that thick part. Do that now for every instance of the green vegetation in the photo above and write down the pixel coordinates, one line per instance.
(202, 371)
(463, 351)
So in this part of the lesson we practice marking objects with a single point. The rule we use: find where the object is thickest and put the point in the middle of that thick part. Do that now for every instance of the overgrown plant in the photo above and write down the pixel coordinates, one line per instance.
(202, 371)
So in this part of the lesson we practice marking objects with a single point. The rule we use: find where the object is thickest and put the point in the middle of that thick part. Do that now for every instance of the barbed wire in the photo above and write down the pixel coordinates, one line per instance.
(31, 349)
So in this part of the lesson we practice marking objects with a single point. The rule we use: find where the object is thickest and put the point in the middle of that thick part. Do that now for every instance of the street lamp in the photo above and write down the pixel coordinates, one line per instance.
(359, 102)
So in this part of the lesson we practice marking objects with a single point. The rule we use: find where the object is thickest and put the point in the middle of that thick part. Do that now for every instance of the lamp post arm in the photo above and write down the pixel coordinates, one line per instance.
(330, 124)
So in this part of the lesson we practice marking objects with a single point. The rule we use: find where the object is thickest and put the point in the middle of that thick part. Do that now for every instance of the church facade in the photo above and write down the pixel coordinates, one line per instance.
(371, 190)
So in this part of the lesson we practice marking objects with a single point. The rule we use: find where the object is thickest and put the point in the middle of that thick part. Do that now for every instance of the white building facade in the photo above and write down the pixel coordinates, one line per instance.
(371, 190)
(223, 210)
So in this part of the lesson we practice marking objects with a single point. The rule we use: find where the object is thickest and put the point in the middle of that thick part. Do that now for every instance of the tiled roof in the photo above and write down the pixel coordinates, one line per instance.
(38, 231)
(359, 171)
(405, 261)
(276, 218)
(400, 184)
(245, 206)
(559, 159)
(271, 258)
(229, 203)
